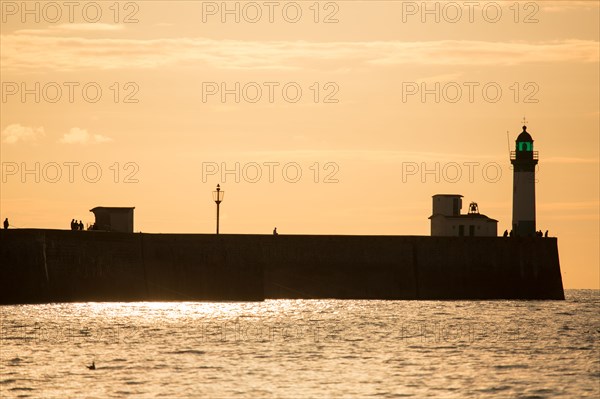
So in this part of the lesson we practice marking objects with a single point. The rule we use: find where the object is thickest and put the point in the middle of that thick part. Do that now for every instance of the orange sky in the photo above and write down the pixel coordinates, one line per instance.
(156, 131)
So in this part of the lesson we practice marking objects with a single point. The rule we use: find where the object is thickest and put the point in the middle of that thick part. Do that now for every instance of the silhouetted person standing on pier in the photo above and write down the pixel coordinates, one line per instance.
(80, 225)
(546, 234)
(505, 233)
(72, 224)
(275, 233)
(6, 224)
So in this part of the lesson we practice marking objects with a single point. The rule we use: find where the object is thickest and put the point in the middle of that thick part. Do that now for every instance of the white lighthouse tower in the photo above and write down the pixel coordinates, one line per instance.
(524, 160)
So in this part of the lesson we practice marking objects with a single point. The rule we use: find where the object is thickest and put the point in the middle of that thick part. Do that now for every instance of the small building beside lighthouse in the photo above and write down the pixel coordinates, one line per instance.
(446, 219)
(524, 161)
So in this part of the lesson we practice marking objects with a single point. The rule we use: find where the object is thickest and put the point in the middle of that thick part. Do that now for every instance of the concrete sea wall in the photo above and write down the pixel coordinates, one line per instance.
(38, 266)
(412, 267)
(64, 266)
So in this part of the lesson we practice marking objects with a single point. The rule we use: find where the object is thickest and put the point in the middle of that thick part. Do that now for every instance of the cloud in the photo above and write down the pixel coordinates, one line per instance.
(447, 77)
(571, 160)
(70, 28)
(27, 52)
(82, 136)
(570, 206)
(562, 6)
(86, 27)
(14, 133)
(368, 155)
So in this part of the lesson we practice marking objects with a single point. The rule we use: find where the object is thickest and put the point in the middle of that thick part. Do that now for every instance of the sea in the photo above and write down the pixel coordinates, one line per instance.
(303, 349)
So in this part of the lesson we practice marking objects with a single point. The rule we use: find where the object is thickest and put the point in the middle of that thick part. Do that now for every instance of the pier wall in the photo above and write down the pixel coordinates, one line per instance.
(38, 266)
(412, 267)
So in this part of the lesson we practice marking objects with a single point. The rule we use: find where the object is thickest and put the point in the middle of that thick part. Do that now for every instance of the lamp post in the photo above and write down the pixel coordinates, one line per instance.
(218, 197)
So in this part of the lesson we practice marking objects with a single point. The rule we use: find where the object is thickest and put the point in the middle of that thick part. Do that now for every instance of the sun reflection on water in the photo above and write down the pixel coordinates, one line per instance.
(302, 348)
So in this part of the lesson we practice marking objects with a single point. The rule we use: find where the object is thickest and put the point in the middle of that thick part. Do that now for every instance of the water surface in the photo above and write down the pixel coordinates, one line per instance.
(304, 348)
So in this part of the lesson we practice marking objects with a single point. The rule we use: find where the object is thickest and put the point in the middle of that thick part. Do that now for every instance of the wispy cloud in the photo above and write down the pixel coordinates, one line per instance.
(446, 77)
(70, 28)
(571, 160)
(562, 6)
(42, 52)
(570, 206)
(366, 155)
(82, 136)
(15, 133)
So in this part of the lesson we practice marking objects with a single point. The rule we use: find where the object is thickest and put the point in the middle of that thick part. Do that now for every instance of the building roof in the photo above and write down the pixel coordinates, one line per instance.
(112, 208)
(467, 216)
(524, 136)
(447, 195)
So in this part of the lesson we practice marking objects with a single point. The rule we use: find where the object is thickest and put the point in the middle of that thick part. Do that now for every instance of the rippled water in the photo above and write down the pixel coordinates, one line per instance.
(304, 348)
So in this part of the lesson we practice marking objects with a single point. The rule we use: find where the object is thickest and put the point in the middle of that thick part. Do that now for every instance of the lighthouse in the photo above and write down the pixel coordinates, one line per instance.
(524, 160)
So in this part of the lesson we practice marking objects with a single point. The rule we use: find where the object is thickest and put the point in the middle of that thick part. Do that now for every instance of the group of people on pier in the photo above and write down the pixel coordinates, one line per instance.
(537, 234)
(75, 225)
